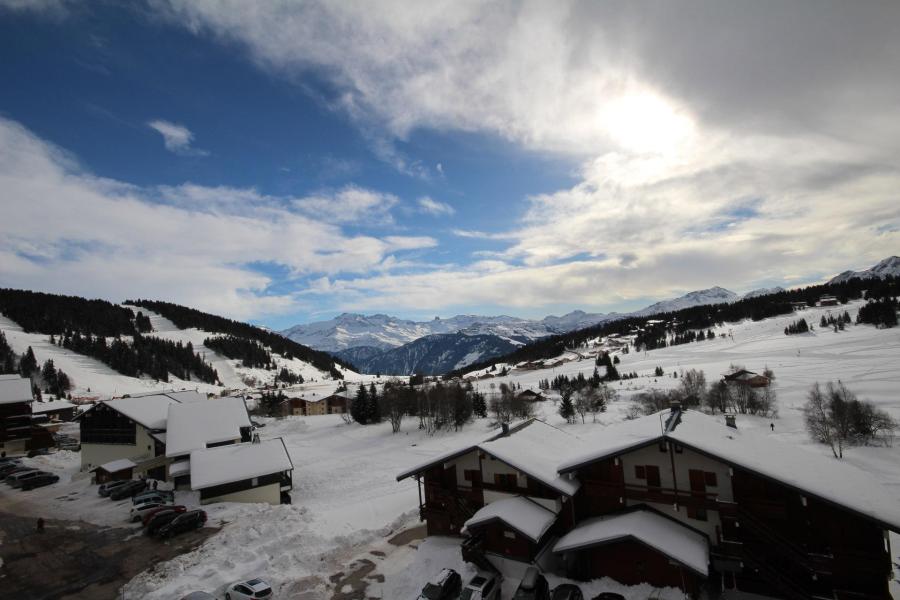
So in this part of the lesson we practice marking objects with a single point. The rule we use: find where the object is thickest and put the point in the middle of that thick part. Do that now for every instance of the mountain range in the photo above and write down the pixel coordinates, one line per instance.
(384, 344)
(888, 266)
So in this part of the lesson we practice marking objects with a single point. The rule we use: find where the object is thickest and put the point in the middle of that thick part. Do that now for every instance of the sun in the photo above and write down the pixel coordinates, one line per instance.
(645, 122)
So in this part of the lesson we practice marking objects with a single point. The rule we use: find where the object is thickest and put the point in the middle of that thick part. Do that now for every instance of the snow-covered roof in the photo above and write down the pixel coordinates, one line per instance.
(5, 376)
(449, 455)
(149, 411)
(15, 390)
(194, 425)
(42, 407)
(115, 466)
(525, 516)
(187, 396)
(808, 472)
(238, 462)
(667, 536)
(536, 450)
(181, 467)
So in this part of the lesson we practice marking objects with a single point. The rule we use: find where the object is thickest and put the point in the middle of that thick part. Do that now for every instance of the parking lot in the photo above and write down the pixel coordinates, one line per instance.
(74, 559)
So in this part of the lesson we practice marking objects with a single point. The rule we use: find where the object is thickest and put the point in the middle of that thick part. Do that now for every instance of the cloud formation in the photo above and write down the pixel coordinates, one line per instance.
(433, 207)
(176, 138)
(67, 230)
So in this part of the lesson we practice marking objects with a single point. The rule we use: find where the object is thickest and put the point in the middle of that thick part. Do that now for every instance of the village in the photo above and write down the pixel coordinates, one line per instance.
(700, 501)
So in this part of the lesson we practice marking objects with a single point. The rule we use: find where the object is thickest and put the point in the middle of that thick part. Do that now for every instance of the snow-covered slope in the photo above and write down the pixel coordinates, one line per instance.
(885, 267)
(92, 378)
(713, 295)
(763, 292)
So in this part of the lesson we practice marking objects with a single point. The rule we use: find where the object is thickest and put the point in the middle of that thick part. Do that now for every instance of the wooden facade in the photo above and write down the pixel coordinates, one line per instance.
(763, 536)
(15, 426)
(330, 405)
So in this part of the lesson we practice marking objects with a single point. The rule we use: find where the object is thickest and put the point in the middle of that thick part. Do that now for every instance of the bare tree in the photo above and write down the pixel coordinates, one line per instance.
(583, 402)
(693, 387)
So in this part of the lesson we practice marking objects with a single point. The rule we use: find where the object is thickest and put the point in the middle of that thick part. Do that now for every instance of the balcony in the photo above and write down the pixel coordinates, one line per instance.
(660, 495)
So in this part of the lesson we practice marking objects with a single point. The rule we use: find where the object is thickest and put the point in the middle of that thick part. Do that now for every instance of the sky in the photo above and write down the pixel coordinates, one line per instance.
(284, 162)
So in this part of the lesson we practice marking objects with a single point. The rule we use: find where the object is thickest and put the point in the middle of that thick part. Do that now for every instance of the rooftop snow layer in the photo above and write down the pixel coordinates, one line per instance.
(42, 407)
(15, 390)
(660, 533)
(238, 462)
(195, 425)
(536, 450)
(182, 467)
(149, 411)
(525, 516)
(811, 473)
(115, 466)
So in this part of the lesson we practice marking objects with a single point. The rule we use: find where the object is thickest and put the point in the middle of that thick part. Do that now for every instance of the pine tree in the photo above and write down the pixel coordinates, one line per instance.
(373, 408)
(566, 406)
(48, 375)
(479, 406)
(359, 406)
(28, 363)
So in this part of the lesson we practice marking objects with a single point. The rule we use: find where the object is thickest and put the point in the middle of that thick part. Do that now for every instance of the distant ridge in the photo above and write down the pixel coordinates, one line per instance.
(884, 268)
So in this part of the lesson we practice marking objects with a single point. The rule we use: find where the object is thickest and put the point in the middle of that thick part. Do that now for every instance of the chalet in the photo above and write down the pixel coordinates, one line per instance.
(530, 395)
(132, 428)
(676, 498)
(15, 414)
(336, 403)
(828, 301)
(248, 472)
(53, 411)
(745, 377)
(115, 470)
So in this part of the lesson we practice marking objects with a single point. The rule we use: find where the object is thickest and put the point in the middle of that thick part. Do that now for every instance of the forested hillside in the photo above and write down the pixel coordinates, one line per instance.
(56, 314)
(664, 329)
(185, 318)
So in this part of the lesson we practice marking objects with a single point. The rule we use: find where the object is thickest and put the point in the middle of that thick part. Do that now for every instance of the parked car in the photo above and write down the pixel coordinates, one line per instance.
(153, 493)
(198, 596)
(14, 470)
(40, 452)
(192, 519)
(609, 596)
(139, 510)
(482, 587)
(248, 590)
(160, 520)
(445, 586)
(128, 490)
(533, 586)
(40, 481)
(165, 508)
(9, 459)
(17, 479)
(109, 486)
(568, 591)
(71, 445)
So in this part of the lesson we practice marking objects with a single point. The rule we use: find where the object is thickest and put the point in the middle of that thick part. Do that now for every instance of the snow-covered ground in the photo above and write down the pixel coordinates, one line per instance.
(347, 501)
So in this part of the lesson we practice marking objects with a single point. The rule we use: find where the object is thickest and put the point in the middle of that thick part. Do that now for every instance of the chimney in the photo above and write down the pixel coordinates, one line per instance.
(255, 438)
(505, 428)
(674, 416)
(730, 421)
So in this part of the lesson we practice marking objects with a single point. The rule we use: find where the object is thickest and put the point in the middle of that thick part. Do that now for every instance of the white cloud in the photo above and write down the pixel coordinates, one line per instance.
(351, 205)
(65, 230)
(177, 138)
(433, 207)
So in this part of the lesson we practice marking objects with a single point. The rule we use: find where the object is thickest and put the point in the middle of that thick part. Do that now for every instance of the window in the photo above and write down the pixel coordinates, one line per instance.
(698, 513)
(711, 479)
(509, 534)
(254, 482)
(471, 475)
(640, 472)
(505, 480)
(662, 447)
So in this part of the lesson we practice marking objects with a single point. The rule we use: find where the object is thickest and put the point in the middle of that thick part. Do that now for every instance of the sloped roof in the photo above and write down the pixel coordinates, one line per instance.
(809, 472)
(667, 536)
(149, 411)
(13, 390)
(238, 462)
(42, 407)
(115, 466)
(525, 516)
(536, 450)
(194, 425)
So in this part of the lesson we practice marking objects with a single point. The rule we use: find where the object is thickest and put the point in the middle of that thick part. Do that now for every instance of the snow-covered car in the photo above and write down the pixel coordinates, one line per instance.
(139, 510)
(533, 586)
(444, 586)
(482, 587)
(248, 590)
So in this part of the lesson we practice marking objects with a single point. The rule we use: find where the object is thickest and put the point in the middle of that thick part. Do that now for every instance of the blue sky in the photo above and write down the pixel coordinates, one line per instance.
(288, 162)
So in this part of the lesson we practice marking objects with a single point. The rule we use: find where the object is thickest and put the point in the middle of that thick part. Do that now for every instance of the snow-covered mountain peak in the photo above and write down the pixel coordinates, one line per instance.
(884, 268)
